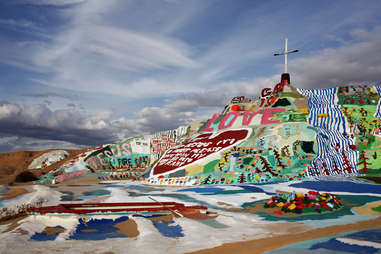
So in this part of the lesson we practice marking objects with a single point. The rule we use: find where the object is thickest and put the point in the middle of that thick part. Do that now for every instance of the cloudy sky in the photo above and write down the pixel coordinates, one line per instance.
(86, 72)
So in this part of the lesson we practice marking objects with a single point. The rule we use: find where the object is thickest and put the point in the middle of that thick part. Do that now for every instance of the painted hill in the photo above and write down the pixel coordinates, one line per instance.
(286, 134)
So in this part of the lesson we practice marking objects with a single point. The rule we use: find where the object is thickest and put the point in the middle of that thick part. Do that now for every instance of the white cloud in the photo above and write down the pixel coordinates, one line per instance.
(22, 23)
(352, 63)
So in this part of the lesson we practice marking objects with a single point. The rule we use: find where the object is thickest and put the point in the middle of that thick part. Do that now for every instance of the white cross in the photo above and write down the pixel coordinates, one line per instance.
(285, 53)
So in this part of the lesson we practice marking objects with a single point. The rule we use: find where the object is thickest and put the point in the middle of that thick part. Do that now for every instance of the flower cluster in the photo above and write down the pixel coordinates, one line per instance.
(298, 202)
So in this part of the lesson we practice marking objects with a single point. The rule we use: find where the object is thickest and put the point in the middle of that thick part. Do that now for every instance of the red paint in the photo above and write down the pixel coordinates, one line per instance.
(207, 127)
(92, 163)
(266, 92)
(268, 113)
(236, 108)
(108, 207)
(197, 148)
(278, 88)
(271, 101)
(246, 120)
(64, 177)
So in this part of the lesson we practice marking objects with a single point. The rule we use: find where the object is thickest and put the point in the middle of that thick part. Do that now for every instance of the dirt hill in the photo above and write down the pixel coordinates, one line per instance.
(14, 166)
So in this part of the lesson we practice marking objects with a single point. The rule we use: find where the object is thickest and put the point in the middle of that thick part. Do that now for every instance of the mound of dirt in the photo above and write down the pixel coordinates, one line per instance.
(14, 166)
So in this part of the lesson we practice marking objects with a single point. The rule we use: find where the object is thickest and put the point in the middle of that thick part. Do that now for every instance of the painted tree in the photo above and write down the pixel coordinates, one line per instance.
(278, 159)
(335, 167)
(285, 152)
(326, 171)
(207, 180)
(242, 178)
(267, 166)
(363, 161)
(347, 164)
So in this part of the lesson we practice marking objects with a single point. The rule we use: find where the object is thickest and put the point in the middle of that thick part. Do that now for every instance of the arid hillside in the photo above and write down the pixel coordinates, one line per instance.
(14, 166)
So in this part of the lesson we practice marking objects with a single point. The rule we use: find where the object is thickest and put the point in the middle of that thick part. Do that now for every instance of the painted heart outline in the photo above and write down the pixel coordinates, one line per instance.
(198, 148)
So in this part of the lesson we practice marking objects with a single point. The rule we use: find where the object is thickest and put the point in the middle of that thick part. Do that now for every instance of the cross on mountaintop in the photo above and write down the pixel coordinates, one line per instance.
(285, 53)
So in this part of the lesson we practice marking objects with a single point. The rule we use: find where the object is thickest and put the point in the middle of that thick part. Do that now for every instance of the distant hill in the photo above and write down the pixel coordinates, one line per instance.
(14, 166)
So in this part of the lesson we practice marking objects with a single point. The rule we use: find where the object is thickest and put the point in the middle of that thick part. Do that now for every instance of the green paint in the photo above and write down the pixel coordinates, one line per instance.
(210, 167)
(377, 209)
(291, 95)
(247, 161)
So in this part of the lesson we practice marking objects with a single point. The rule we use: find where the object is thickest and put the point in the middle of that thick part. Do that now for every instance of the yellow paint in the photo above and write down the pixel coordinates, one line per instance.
(322, 115)
(291, 207)
(280, 204)
(194, 169)
(304, 110)
(252, 108)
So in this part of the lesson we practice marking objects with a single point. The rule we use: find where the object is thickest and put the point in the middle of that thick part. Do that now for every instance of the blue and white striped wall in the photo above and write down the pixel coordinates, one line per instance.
(332, 130)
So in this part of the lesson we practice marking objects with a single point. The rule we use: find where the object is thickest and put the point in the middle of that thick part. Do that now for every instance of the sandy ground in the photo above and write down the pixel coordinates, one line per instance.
(272, 243)
(367, 209)
(14, 193)
(128, 228)
(12, 224)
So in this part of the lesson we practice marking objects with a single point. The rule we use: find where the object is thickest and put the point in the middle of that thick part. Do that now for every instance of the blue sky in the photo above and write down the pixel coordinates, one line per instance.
(85, 72)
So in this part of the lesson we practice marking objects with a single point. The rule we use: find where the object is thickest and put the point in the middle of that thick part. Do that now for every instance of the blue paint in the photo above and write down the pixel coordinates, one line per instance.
(44, 237)
(202, 190)
(165, 228)
(68, 196)
(96, 193)
(252, 188)
(2, 203)
(98, 229)
(143, 188)
(373, 235)
(339, 186)
(336, 245)
(93, 194)
(168, 230)
(148, 216)
(213, 223)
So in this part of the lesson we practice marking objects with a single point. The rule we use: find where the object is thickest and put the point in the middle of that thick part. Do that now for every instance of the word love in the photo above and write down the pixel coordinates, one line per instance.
(246, 120)
(196, 149)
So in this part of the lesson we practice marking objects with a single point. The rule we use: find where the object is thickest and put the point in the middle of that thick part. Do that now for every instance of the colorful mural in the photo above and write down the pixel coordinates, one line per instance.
(294, 134)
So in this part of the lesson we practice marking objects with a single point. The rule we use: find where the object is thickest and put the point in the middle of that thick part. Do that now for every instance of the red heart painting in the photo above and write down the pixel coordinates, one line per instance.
(197, 148)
